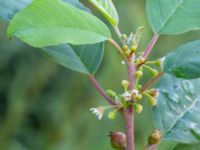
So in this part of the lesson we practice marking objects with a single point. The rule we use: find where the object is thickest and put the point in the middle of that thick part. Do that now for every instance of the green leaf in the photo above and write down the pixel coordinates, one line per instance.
(85, 59)
(184, 62)
(8, 8)
(187, 147)
(108, 9)
(53, 22)
(177, 111)
(173, 16)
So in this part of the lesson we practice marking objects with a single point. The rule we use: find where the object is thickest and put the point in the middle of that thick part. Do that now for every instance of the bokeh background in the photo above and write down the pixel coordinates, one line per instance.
(44, 106)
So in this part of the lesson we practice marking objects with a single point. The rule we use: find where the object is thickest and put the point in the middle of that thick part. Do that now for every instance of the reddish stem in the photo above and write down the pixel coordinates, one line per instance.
(118, 48)
(131, 71)
(150, 46)
(129, 120)
(101, 90)
(150, 83)
(129, 112)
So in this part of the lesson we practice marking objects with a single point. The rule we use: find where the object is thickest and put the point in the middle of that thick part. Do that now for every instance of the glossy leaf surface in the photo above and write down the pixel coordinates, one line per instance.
(173, 16)
(53, 22)
(77, 58)
(184, 62)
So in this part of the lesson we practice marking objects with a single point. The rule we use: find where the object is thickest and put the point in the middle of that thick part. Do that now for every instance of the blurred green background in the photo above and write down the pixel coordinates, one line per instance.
(44, 106)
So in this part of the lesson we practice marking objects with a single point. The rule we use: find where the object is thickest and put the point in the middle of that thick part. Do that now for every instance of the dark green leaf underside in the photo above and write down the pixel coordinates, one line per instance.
(184, 62)
(187, 147)
(84, 59)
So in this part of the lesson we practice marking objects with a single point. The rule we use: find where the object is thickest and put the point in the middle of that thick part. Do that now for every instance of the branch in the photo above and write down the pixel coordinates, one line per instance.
(150, 46)
(151, 82)
(101, 90)
(129, 121)
(118, 32)
(118, 48)
(131, 71)
(129, 112)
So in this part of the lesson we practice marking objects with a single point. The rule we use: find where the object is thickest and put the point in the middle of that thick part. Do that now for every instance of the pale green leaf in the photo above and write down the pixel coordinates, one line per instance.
(173, 16)
(53, 22)
(107, 8)
(184, 62)
(177, 111)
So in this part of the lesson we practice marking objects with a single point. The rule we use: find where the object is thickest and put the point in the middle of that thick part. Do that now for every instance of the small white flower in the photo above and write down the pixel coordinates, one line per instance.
(117, 100)
(98, 111)
(123, 62)
(135, 93)
(127, 96)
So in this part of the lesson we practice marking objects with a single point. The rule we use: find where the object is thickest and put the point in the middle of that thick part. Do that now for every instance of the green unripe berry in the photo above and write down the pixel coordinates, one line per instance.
(152, 101)
(127, 53)
(141, 60)
(125, 47)
(112, 115)
(133, 48)
(138, 108)
(124, 37)
(125, 84)
(139, 97)
(155, 137)
(139, 74)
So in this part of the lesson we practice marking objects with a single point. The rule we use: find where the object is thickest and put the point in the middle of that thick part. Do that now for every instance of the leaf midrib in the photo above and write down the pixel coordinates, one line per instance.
(170, 16)
(183, 114)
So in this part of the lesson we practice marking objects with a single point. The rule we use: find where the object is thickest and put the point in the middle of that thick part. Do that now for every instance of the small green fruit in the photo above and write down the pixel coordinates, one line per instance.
(138, 108)
(152, 101)
(155, 137)
(125, 84)
(112, 115)
(125, 47)
(139, 74)
(133, 48)
(124, 37)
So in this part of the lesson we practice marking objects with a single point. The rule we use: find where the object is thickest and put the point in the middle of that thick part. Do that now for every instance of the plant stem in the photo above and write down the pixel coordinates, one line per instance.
(101, 90)
(129, 112)
(129, 121)
(152, 81)
(150, 46)
(131, 71)
(118, 32)
(118, 48)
